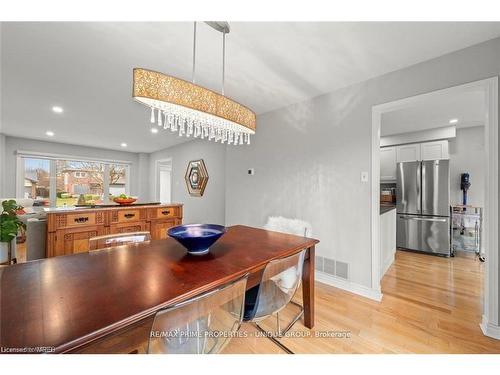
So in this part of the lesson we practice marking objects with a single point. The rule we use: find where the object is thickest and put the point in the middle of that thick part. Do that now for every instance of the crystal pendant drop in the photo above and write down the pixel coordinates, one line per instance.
(181, 127)
(159, 118)
(165, 123)
(152, 115)
(171, 123)
(176, 122)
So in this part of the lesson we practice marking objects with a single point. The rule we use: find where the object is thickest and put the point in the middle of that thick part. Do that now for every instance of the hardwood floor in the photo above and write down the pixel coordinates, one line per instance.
(21, 252)
(430, 305)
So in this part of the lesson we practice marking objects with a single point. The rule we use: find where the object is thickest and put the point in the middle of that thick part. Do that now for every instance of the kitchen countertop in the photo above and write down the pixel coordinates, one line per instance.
(386, 208)
(107, 207)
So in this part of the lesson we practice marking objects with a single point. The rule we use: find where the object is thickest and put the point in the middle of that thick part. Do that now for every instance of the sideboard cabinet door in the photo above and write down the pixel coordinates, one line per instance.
(75, 240)
(159, 228)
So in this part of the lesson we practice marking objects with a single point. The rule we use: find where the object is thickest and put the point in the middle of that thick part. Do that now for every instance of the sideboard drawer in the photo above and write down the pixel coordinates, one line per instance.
(125, 216)
(80, 219)
(166, 212)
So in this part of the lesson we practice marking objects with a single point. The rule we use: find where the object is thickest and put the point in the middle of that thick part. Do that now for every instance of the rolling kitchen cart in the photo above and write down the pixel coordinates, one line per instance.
(467, 223)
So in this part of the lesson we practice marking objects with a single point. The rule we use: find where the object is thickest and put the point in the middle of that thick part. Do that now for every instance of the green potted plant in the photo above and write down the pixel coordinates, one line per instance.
(9, 226)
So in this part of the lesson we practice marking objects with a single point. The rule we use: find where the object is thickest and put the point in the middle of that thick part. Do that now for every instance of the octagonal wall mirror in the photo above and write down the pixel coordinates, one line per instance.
(196, 178)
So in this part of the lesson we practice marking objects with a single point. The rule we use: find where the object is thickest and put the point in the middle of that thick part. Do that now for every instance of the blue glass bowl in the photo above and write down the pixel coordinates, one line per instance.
(197, 238)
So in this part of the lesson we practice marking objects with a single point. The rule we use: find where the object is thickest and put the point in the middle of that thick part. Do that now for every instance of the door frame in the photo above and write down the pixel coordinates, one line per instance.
(490, 320)
(157, 187)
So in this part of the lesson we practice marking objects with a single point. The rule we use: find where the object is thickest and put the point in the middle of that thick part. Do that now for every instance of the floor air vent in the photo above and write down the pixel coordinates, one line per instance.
(342, 270)
(332, 267)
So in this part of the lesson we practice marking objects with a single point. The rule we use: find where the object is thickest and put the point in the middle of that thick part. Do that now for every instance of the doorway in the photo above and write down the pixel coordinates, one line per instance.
(489, 88)
(163, 179)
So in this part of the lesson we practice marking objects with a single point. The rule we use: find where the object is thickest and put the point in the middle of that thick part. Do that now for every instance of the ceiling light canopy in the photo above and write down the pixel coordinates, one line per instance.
(193, 110)
(453, 121)
(57, 109)
(49, 133)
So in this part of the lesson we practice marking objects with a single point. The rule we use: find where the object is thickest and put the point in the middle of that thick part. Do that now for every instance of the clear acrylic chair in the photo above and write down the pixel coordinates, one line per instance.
(110, 240)
(280, 281)
(202, 325)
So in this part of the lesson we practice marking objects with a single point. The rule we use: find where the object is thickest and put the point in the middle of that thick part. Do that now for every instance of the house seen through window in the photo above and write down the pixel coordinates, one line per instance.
(77, 182)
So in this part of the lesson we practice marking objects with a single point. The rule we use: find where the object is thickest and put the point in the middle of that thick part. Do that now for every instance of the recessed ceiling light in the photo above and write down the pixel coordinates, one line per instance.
(123, 144)
(453, 121)
(49, 133)
(57, 109)
(154, 130)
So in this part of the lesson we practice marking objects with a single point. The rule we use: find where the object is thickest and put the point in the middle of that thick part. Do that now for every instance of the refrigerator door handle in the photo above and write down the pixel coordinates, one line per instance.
(438, 220)
(419, 186)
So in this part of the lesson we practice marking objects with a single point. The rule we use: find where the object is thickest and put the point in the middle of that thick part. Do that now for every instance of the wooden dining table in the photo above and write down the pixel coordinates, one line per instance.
(104, 301)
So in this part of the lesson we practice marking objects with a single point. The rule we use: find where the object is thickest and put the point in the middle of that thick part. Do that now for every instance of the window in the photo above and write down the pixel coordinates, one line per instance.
(36, 180)
(117, 179)
(68, 182)
(79, 182)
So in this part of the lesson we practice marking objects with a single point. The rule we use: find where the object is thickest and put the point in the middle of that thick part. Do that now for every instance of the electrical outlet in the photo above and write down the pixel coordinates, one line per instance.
(364, 176)
(251, 171)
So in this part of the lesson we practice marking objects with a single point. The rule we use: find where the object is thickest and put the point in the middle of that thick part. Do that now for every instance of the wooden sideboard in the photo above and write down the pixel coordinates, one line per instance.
(68, 232)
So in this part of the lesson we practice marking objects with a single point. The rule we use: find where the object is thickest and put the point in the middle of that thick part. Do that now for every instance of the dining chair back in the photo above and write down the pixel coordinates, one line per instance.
(290, 226)
(110, 240)
(201, 325)
(280, 280)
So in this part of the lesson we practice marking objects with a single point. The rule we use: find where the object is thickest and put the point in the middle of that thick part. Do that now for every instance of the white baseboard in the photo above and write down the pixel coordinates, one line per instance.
(489, 329)
(388, 263)
(348, 286)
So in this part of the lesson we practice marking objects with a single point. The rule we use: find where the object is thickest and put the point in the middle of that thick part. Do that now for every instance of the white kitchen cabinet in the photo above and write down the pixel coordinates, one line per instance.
(390, 156)
(387, 240)
(422, 151)
(388, 164)
(408, 152)
(434, 150)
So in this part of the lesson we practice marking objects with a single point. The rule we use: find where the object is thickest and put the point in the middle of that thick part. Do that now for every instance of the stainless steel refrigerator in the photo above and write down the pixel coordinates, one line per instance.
(423, 206)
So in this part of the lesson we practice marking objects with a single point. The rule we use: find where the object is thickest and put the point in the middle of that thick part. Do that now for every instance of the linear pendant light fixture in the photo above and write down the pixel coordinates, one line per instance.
(192, 110)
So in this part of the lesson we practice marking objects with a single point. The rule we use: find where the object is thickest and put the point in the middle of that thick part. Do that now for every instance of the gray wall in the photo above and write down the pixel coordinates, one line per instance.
(2, 137)
(468, 154)
(211, 207)
(308, 157)
(2, 164)
(138, 182)
(143, 178)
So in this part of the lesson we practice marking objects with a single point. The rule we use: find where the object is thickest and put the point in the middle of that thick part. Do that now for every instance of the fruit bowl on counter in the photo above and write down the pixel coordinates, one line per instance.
(124, 200)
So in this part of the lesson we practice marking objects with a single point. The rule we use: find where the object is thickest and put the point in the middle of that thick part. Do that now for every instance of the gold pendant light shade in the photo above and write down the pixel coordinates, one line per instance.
(192, 109)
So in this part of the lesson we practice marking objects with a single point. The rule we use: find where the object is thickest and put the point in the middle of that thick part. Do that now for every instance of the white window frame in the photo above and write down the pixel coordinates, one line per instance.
(20, 172)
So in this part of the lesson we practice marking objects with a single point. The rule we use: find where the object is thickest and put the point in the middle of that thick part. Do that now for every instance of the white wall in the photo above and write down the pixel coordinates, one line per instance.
(210, 208)
(468, 154)
(308, 157)
(2, 165)
(138, 181)
(143, 178)
(2, 137)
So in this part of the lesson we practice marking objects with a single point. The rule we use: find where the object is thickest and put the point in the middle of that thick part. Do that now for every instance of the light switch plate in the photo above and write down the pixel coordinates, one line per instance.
(364, 176)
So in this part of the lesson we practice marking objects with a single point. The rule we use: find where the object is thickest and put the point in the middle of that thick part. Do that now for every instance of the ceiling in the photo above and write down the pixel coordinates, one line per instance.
(86, 68)
(467, 107)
